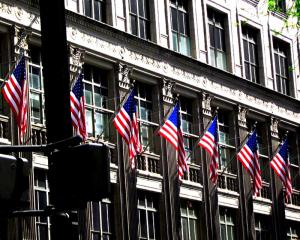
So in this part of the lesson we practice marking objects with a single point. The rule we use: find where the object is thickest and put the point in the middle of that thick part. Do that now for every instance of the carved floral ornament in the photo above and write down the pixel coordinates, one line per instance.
(167, 90)
(242, 116)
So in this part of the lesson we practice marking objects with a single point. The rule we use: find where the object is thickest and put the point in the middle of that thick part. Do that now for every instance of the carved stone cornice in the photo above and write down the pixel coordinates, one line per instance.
(274, 127)
(167, 90)
(76, 60)
(123, 76)
(242, 116)
(21, 40)
(206, 104)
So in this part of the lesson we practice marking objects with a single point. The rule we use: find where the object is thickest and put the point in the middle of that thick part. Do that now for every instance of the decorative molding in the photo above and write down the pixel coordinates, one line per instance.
(123, 76)
(206, 106)
(242, 116)
(112, 44)
(167, 90)
(274, 127)
(76, 61)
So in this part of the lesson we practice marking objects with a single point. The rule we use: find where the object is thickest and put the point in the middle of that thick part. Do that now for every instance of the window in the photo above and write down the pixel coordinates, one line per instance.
(280, 5)
(217, 39)
(139, 18)
(41, 193)
(147, 126)
(293, 232)
(180, 26)
(250, 54)
(189, 221)
(281, 67)
(96, 100)
(227, 224)
(95, 9)
(186, 117)
(36, 86)
(101, 222)
(262, 228)
(148, 227)
(226, 147)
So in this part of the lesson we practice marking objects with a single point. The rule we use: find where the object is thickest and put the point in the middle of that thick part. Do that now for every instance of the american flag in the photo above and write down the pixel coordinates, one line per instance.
(209, 142)
(281, 166)
(77, 108)
(127, 125)
(15, 93)
(171, 131)
(248, 156)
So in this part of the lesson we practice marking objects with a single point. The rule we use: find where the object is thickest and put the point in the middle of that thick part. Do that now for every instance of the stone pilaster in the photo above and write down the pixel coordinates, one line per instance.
(210, 193)
(278, 202)
(245, 215)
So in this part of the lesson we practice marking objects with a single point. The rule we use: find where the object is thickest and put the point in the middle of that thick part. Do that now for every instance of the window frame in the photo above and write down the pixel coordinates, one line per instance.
(101, 10)
(282, 77)
(93, 108)
(45, 190)
(250, 38)
(228, 213)
(153, 210)
(140, 18)
(185, 34)
(35, 91)
(188, 206)
(217, 24)
(101, 233)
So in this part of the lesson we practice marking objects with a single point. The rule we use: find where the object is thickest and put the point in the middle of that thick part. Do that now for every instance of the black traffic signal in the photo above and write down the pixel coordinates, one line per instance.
(14, 183)
(79, 174)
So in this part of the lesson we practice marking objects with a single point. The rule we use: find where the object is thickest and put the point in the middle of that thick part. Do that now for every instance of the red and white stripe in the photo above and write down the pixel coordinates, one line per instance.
(208, 143)
(282, 169)
(250, 162)
(78, 115)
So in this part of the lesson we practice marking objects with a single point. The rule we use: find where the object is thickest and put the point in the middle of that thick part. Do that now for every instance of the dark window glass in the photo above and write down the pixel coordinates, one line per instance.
(180, 27)
(139, 18)
(250, 54)
(217, 39)
(281, 67)
(95, 9)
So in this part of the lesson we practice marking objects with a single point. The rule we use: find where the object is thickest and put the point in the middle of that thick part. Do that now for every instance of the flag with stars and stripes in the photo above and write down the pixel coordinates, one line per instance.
(280, 164)
(127, 125)
(15, 93)
(248, 156)
(78, 108)
(171, 131)
(209, 142)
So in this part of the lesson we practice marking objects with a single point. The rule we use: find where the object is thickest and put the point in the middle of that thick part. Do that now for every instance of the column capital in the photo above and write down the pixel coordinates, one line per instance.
(76, 56)
(206, 104)
(21, 40)
(274, 127)
(242, 116)
(123, 75)
(167, 90)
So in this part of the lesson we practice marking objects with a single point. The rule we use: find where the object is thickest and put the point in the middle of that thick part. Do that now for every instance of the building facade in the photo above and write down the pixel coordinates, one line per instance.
(233, 56)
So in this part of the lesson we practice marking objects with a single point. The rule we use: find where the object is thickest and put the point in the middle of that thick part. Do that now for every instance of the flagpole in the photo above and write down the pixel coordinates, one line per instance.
(241, 145)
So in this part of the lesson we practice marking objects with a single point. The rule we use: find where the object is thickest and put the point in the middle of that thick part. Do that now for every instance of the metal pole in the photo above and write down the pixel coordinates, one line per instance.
(57, 90)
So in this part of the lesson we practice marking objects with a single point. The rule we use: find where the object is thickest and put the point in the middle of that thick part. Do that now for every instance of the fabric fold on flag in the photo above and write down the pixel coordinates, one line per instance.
(171, 131)
(78, 108)
(281, 166)
(249, 157)
(15, 92)
(127, 125)
(209, 142)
